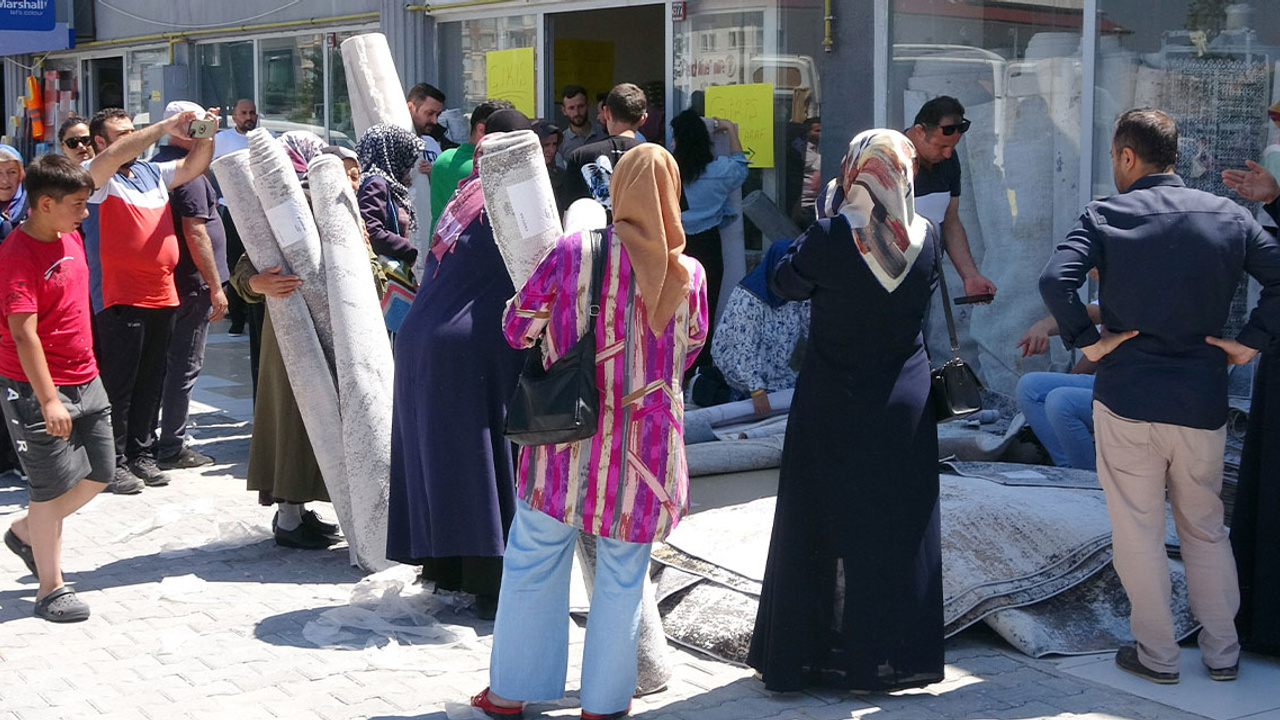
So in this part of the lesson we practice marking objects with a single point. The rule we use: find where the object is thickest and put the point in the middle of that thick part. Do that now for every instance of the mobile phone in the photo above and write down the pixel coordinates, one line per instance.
(971, 299)
(202, 129)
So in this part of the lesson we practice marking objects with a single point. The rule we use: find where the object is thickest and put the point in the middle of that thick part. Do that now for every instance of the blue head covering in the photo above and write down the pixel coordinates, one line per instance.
(757, 281)
(17, 207)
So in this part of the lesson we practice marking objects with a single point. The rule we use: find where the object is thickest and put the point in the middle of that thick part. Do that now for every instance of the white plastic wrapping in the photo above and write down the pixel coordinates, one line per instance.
(520, 201)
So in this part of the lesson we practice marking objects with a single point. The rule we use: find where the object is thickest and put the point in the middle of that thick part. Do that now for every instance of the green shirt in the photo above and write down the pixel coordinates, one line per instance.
(452, 167)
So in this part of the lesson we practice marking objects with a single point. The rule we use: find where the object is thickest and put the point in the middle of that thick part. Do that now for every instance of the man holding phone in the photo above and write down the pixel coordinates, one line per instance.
(935, 132)
(132, 250)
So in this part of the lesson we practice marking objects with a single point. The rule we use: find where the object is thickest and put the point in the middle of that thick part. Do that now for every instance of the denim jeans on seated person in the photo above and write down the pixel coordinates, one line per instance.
(1059, 408)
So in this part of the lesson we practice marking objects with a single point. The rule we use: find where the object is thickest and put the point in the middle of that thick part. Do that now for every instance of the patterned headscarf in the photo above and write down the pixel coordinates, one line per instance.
(875, 192)
(302, 147)
(646, 218)
(389, 152)
(17, 205)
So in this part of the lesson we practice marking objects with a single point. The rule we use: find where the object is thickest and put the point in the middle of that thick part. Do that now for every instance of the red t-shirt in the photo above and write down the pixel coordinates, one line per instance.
(50, 279)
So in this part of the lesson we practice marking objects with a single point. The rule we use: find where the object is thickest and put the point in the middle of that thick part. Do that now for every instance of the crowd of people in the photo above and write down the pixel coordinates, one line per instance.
(112, 269)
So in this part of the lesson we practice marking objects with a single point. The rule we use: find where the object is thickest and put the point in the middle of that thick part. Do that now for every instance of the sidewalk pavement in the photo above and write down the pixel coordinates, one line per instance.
(197, 613)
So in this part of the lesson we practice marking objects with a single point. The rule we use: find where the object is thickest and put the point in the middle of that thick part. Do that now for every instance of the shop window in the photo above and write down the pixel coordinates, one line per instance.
(226, 73)
(144, 81)
(465, 83)
(1211, 66)
(291, 83)
(1016, 68)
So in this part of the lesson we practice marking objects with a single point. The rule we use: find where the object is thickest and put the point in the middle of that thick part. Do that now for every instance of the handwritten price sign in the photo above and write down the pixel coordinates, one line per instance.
(751, 106)
(509, 76)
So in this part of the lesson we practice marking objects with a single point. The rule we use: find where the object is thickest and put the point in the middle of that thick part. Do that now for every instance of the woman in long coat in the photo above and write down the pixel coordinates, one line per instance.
(852, 594)
(452, 469)
(628, 484)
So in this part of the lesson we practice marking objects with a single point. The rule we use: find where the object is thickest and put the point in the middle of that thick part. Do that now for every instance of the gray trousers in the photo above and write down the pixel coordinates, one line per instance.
(652, 668)
(182, 366)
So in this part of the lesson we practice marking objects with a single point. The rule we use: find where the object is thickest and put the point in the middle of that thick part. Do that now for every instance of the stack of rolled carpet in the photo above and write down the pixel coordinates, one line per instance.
(336, 355)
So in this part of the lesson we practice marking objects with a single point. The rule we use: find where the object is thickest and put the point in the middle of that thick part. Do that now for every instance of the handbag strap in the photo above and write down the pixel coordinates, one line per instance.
(597, 278)
(946, 296)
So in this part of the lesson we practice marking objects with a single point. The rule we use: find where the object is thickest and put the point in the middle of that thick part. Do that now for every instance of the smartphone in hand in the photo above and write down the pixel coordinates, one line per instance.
(201, 129)
(972, 299)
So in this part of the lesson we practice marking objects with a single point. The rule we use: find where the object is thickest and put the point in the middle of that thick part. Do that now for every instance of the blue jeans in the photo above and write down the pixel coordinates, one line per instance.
(531, 633)
(1059, 408)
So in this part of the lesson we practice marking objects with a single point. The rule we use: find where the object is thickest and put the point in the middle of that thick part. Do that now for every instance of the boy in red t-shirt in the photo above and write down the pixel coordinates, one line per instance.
(54, 404)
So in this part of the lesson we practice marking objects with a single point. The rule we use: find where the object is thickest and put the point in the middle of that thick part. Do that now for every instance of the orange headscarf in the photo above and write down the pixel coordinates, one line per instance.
(646, 217)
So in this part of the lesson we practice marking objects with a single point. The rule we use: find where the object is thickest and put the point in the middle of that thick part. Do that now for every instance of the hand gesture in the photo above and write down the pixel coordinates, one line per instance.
(57, 421)
(271, 283)
(1035, 341)
(1253, 184)
(1108, 343)
(1237, 353)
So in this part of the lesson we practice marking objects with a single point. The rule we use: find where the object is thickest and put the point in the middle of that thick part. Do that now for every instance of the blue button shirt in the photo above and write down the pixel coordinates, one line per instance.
(1169, 259)
(708, 196)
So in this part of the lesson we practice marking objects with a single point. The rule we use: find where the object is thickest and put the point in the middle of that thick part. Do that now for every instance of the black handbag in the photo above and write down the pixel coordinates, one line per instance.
(560, 404)
(956, 391)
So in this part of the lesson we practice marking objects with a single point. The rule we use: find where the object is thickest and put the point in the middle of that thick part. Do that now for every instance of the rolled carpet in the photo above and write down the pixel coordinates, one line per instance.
(519, 199)
(304, 360)
(373, 83)
(362, 352)
(285, 205)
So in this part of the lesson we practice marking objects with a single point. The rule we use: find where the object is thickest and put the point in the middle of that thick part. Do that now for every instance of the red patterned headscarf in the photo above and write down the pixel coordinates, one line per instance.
(877, 182)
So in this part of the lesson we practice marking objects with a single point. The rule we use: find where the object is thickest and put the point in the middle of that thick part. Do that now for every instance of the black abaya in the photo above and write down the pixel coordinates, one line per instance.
(1255, 532)
(852, 594)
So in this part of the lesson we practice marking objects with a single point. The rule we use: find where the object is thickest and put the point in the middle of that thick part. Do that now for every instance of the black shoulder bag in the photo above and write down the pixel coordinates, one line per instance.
(561, 404)
(956, 390)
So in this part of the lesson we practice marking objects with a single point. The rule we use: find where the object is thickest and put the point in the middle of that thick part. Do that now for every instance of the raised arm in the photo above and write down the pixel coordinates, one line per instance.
(129, 146)
(197, 159)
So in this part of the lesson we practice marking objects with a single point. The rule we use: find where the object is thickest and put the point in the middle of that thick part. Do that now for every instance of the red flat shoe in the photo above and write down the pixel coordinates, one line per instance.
(611, 716)
(482, 703)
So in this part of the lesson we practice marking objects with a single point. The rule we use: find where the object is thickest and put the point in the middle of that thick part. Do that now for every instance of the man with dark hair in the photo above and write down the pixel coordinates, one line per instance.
(426, 102)
(935, 133)
(132, 251)
(1170, 259)
(454, 165)
(581, 131)
(590, 166)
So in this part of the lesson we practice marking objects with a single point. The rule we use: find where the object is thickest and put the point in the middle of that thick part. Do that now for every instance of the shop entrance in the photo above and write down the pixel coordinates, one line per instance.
(600, 48)
(104, 83)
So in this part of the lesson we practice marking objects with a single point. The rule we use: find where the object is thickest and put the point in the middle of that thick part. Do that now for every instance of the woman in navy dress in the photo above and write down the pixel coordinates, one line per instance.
(852, 594)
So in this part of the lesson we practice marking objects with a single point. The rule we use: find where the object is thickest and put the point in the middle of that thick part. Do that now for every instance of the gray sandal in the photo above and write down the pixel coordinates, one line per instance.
(62, 606)
(22, 550)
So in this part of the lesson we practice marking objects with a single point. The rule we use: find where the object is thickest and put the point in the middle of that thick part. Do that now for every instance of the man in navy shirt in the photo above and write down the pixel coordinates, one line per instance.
(1169, 259)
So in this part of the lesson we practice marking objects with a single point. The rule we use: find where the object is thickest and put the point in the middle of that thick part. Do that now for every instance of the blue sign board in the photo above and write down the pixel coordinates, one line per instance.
(30, 15)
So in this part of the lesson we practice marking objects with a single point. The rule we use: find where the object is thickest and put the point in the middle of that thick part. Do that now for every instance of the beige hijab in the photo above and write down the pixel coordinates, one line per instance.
(646, 217)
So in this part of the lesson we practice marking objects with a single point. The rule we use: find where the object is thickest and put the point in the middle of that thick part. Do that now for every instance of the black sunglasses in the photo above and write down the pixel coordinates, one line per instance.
(962, 128)
(75, 142)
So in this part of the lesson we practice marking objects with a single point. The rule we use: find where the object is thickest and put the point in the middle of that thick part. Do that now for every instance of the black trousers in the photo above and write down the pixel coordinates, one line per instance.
(132, 346)
(705, 248)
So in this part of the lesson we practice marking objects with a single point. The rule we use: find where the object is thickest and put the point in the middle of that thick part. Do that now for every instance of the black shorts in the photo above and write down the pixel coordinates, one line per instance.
(53, 465)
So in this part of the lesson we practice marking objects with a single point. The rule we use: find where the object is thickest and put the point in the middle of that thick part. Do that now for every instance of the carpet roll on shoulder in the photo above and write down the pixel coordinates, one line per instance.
(304, 359)
(285, 204)
(519, 199)
(362, 352)
(373, 83)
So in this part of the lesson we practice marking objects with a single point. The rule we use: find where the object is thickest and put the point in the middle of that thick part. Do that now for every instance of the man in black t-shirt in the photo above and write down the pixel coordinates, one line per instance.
(591, 166)
(198, 276)
(935, 133)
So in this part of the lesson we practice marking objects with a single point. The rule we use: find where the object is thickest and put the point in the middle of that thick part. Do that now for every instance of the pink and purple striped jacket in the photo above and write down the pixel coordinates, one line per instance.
(629, 481)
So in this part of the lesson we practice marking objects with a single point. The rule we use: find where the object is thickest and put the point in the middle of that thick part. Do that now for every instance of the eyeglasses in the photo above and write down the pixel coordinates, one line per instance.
(74, 142)
(948, 130)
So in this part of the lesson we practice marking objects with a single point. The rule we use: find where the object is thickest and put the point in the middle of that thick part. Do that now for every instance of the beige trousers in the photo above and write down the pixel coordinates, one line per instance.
(1137, 463)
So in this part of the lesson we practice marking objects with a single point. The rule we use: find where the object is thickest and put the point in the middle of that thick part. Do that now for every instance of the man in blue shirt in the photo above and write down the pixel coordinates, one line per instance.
(1170, 259)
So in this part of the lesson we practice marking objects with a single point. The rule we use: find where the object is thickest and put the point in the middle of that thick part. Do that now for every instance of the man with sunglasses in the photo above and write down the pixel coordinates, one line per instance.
(935, 133)
(74, 138)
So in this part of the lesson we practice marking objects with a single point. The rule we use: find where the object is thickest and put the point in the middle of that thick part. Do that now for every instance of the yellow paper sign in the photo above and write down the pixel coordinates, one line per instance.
(509, 76)
(751, 106)
(588, 63)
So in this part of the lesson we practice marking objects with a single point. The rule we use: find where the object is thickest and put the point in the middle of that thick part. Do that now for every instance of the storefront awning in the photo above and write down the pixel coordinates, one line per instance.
(22, 42)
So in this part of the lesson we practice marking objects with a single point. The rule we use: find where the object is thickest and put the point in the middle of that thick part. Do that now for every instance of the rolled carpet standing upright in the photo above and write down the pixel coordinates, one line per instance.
(377, 96)
(294, 227)
(362, 351)
(305, 363)
(520, 201)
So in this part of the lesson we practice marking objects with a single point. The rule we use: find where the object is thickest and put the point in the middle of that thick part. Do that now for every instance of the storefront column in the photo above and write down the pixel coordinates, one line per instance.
(411, 36)
(848, 83)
